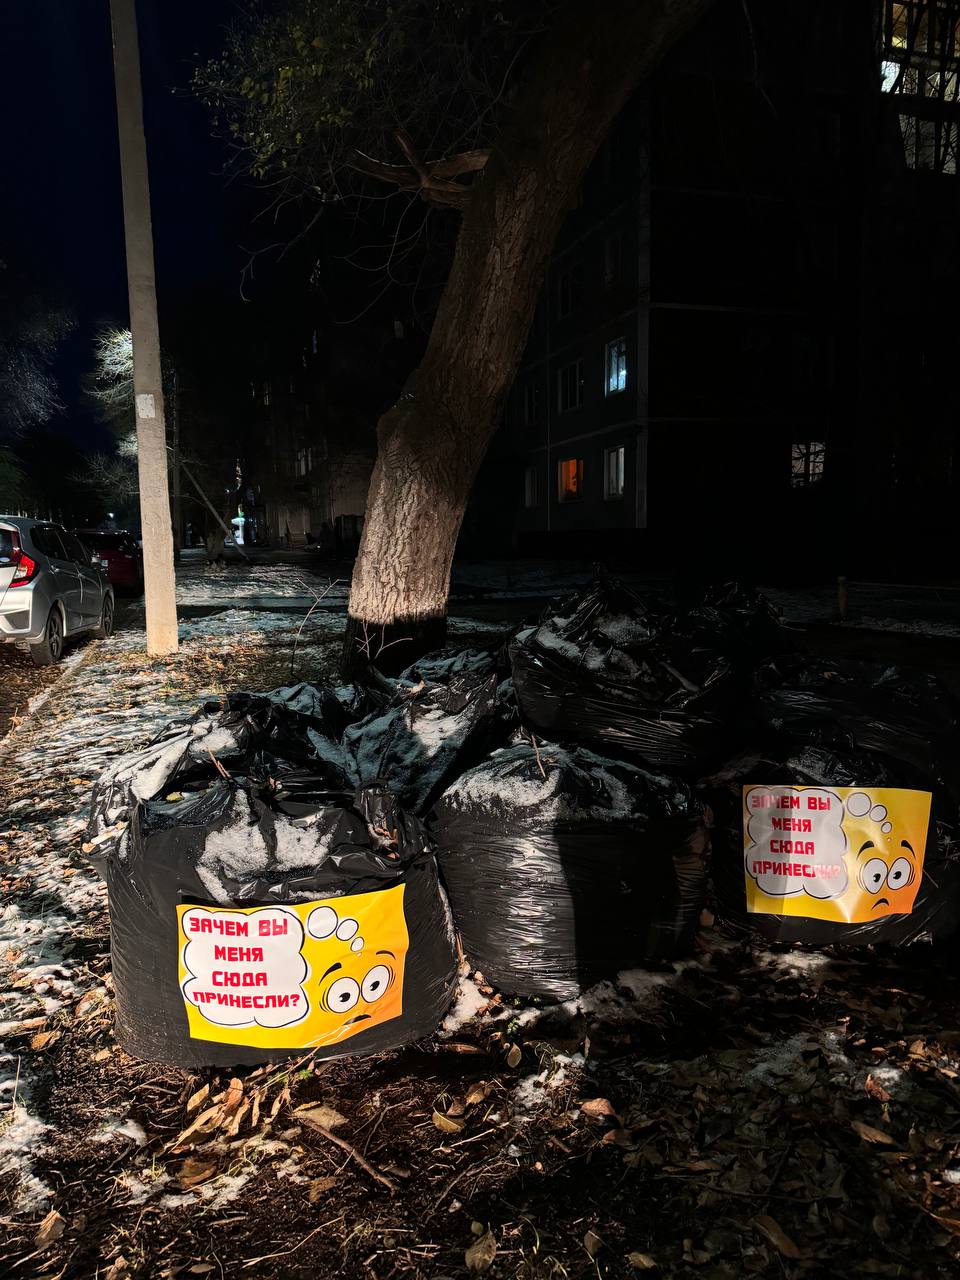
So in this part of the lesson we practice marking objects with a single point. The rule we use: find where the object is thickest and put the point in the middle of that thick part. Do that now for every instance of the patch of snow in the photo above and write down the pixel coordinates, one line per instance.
(22, 1134)
(116, 1127)
(469, 1001)
(140, 1191)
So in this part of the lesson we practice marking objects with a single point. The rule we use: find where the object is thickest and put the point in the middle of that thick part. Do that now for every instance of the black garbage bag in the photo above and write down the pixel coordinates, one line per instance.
(441, 666)
(428, 736)
(625, 676)
(831, 843)
(564, 868)
(909, 716)
(295, 727)
(256, 920)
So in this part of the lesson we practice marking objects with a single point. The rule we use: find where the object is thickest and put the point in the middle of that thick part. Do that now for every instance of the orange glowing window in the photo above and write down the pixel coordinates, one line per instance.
(570, 476)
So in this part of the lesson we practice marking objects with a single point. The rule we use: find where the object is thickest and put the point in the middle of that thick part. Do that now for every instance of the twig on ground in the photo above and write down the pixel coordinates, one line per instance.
(342, 1143)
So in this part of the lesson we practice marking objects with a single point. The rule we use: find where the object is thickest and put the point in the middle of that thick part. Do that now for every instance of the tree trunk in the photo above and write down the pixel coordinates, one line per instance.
(432, 442)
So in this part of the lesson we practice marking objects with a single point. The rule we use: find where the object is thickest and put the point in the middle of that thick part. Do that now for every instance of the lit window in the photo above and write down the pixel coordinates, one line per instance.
(531, 487)
(570, 387)
(613, 261)
(569, 290)
(614, 461)
(920, 64)
(807, 463)
(616, 363)
(570, 479)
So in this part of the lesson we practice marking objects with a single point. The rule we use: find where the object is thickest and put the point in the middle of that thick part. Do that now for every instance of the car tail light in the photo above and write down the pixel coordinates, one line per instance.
(25, 569)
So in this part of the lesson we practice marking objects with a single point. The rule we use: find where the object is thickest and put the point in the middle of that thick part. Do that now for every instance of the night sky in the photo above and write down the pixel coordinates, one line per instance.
(61, 216)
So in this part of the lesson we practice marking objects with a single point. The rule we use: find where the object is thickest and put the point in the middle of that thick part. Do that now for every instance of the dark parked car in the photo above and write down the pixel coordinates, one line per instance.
(120, 554)
(50, 588)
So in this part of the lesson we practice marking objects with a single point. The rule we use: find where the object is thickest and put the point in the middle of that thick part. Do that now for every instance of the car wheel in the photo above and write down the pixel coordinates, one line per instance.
(105, 630)
(50, 649)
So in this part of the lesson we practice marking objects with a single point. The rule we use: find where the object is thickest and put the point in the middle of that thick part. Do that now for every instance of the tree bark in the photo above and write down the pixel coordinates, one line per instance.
(431, 443)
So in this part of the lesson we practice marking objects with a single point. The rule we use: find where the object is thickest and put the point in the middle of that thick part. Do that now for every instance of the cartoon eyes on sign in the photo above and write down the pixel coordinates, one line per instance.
(344, 993)
(876, 874)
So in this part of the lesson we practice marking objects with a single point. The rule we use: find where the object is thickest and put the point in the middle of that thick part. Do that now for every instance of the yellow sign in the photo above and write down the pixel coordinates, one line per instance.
(293, 977)
(846, 854)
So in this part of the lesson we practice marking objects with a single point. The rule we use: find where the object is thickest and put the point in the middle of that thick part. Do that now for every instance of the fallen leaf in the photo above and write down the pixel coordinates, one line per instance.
(770, 1228)
(875, 1089)
(118, 1268)
(477, 1093)
(51, 1229)
(194, 1170)
(592, 1243)
(320, 1186)
(101, 1056)
(514, 1056)
(196, 1098)
(619, 1138)
(448, 1124)
(233, 1097)
(597, 1107)
(480, 1255)
(43, 1039)
(201, 1268)
(869, 1134)
(320, 1114)
(642, 1261)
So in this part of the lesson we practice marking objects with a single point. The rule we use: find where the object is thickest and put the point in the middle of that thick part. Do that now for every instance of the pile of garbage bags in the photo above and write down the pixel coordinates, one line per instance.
(289, 871)
(659, 683)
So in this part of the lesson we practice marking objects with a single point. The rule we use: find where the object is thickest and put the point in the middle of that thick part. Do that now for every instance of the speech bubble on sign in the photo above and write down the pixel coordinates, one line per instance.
(244, 969)
(796, 841)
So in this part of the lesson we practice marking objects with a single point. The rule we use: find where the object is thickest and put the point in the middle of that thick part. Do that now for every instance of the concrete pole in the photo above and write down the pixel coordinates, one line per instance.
(158, 574)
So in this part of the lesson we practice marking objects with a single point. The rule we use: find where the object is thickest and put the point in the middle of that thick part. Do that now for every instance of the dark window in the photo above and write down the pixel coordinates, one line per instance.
(614, 470)
(613, 261)
(570, 290)
(807, 461)
(570, 479)
(570, 387)
(530, 404)
(6, 546)
(531, 487)
(75, 549)
(47, 539)
(106, 541)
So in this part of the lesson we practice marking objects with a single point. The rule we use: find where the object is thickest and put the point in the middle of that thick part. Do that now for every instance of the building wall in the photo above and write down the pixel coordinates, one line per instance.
(729, 180)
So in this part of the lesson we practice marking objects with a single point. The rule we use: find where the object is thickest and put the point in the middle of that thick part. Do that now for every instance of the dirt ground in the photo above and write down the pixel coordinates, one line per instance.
(744, 1112)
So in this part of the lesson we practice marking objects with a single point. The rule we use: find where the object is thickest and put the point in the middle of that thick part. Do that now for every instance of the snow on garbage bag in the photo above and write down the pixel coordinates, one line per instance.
(428, 736)
(846, 827)
(564, 868)
(292, 727)
(626, 676)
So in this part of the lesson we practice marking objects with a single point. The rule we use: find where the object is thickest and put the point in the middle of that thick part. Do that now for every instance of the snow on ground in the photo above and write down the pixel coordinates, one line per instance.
(203, 584)
(110, 699)
(928, 611)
